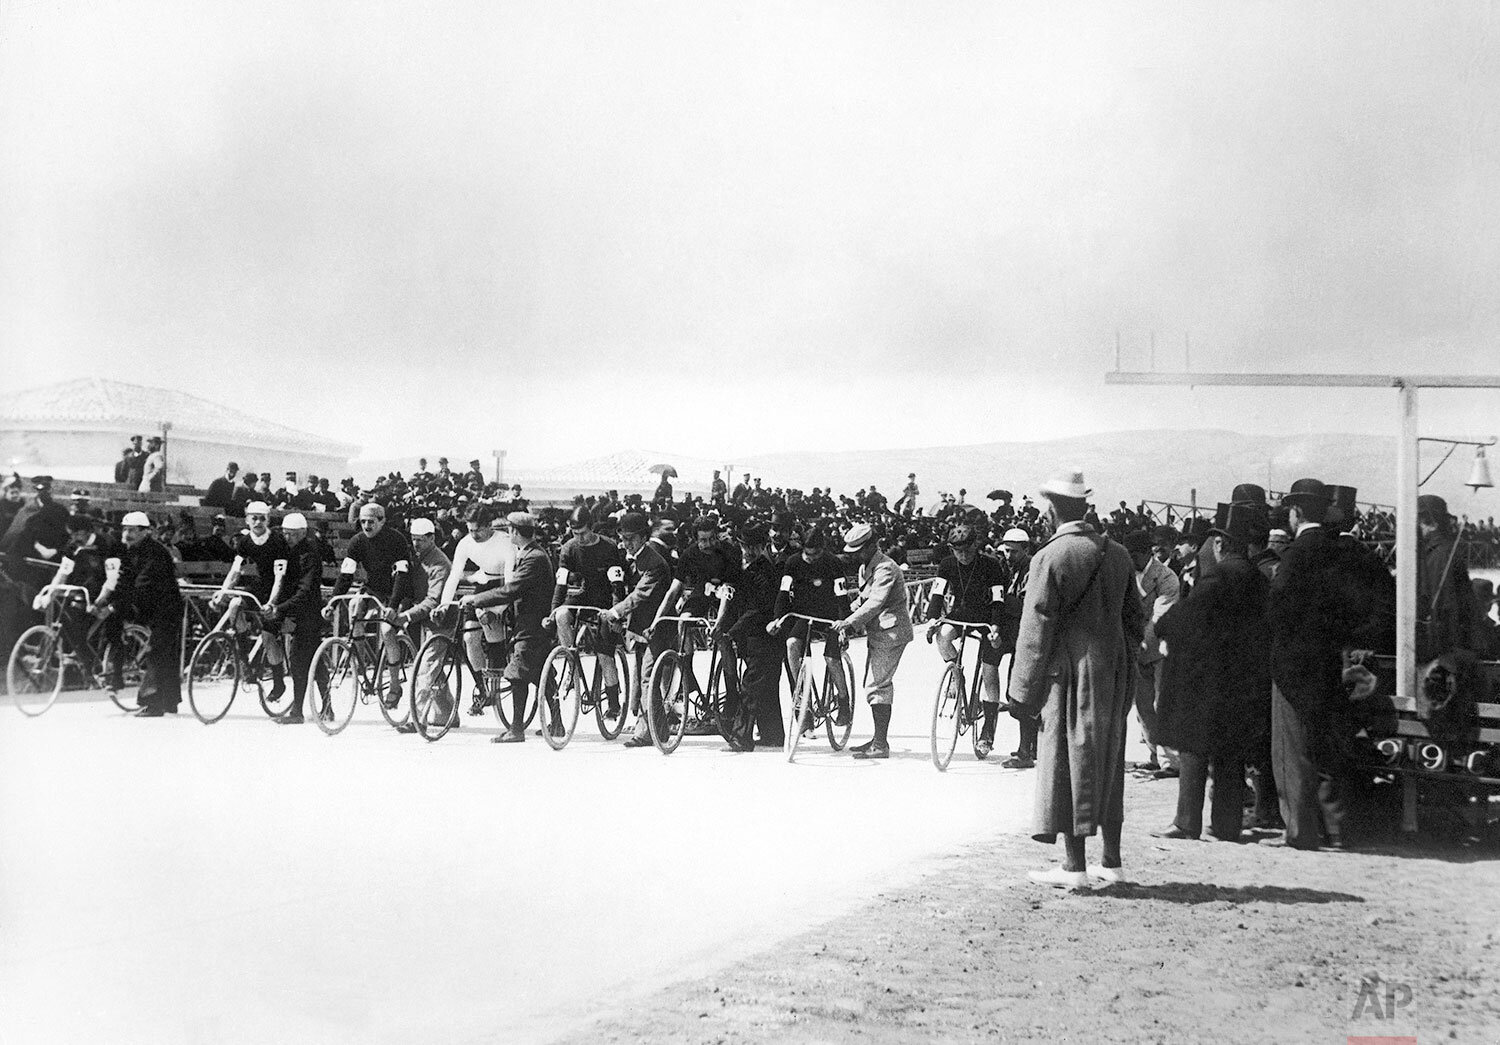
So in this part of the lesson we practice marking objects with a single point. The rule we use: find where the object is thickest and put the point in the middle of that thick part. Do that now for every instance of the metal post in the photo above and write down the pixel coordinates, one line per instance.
(1406, 545)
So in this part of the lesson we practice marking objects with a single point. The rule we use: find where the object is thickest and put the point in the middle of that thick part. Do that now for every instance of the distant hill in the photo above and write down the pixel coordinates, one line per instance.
(1165, 465)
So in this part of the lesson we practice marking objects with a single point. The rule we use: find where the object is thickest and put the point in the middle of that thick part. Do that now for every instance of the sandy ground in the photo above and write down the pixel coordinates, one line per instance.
(168, 882)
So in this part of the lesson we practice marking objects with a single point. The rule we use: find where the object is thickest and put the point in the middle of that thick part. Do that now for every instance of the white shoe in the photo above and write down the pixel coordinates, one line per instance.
(1107, 875)
(1073, 880)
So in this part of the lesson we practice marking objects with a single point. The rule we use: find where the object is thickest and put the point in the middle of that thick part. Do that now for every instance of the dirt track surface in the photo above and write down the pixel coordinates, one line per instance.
(1212, 942)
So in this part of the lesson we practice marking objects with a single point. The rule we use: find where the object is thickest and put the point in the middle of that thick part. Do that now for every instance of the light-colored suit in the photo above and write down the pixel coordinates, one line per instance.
(881, 610)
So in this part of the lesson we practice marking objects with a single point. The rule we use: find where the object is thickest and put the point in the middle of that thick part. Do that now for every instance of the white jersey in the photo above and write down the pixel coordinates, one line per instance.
(493, 560)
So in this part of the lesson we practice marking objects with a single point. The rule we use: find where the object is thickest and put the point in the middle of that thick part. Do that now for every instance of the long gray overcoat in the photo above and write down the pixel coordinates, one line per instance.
(1075, 660)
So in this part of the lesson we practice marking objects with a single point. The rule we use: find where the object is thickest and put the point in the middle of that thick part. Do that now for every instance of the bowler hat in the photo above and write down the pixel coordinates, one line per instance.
(42, 482)
(634, 523)
(1432, 504)
(1137, 542)
(1248, 493)
(1306, 492)
(754, 532)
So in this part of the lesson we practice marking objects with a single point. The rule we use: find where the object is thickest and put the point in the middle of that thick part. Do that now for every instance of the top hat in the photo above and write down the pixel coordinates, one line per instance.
(1242, 523)
(1306, 492)
(1248, 493)
(1197, 529)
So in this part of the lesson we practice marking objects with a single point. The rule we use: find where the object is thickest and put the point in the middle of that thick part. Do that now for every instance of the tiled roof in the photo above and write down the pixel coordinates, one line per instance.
(94, 401)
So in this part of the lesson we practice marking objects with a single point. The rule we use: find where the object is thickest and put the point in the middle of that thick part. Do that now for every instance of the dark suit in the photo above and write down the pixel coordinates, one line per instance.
(529, 593)
(1310, 726)
(1215, 703)
(759, 702)
(149, 595)
(301, 604)
(220, 493)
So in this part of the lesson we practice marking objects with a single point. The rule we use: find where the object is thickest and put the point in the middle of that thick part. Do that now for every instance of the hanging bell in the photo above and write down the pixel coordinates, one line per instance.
(1479, 474)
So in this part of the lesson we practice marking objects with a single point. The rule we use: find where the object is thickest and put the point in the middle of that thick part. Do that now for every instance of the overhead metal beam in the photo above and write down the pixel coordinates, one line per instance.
(1155, 377)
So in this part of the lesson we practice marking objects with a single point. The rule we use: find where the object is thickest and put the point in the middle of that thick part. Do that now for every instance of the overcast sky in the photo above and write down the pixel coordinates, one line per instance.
(566, 228)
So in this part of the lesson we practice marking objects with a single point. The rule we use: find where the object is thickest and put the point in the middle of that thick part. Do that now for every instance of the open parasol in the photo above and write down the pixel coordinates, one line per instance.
(665, 469)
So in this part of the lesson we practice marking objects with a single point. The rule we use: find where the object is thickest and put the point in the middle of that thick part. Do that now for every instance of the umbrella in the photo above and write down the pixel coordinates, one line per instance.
(665, 469)
(999, 495)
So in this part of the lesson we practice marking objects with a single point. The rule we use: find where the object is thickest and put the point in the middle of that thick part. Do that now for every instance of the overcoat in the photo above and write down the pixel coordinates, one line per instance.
(1075, 663)
(1216, 683)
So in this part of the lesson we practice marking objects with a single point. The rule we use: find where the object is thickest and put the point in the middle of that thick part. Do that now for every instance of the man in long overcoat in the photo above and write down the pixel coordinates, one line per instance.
(1075, 666)
(1216, 683)
(147, 591)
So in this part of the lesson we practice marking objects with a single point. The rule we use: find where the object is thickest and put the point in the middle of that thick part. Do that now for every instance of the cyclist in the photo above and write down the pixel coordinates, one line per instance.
(386, 555)
(435, 565)
(813, 583)
(492, 557)
(526, 592)
(701, 568)
(970, 586)
(297, 608)
(590, 571)
(88, 562)
(263, 549)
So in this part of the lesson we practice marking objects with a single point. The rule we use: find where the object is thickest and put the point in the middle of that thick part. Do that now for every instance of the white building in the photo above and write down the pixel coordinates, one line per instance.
(76, 430)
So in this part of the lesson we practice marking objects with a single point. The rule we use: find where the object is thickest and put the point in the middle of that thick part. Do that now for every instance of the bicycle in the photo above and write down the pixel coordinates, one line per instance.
(811, 705)
(40, 661)
(220, 665)
(437, 679)
(669, 705)
(956, 707)
(348, 670)
(573, 690)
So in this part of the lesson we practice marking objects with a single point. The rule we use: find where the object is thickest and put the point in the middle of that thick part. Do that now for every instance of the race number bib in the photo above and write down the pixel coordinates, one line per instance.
(786, 582)
(562, 575)
(939, 586)
(997, 593)
(617, 575)
(841, 586)
(278, 568)
(65, 569)
(112, 569)
(348, 566)
(401, 566)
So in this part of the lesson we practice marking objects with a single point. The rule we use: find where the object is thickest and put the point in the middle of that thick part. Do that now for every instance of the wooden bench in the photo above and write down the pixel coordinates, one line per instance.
(1405, 747)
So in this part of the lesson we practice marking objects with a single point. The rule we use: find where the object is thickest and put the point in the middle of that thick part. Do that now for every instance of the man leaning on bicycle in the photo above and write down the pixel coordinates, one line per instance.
(970, 587)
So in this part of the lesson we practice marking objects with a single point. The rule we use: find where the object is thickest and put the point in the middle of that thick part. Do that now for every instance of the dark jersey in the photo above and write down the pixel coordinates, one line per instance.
(89, 565)
(263, 557)
(813, 588)
(698, 569)
(973, 593)
(583, 574)
(391, 571)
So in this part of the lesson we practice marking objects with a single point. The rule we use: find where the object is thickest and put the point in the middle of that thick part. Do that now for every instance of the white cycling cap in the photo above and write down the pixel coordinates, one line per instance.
(422, 528)
(257, 508)
(136, 519)
(1016, 535)
(294, 521)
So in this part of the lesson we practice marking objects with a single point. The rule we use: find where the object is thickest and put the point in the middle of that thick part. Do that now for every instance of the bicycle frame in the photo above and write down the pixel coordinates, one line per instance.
(966, 713)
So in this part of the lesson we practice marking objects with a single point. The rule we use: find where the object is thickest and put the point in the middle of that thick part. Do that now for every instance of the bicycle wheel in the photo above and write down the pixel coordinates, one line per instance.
(947, 716)
(804, 695)
(136, 641)
(214, 676)
(610, 726)
(436, 682)
(838, 735)
(666, 703)
(266, 677)
(334, 683)
(716, 702)
(34, 673)
(395, 704)
(563, 689)
(499, 689)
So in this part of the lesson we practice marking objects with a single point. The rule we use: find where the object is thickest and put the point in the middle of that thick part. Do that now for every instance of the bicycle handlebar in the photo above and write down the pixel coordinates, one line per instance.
(244, 596)
(968, 627)
(355, 598)
(803, 616)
